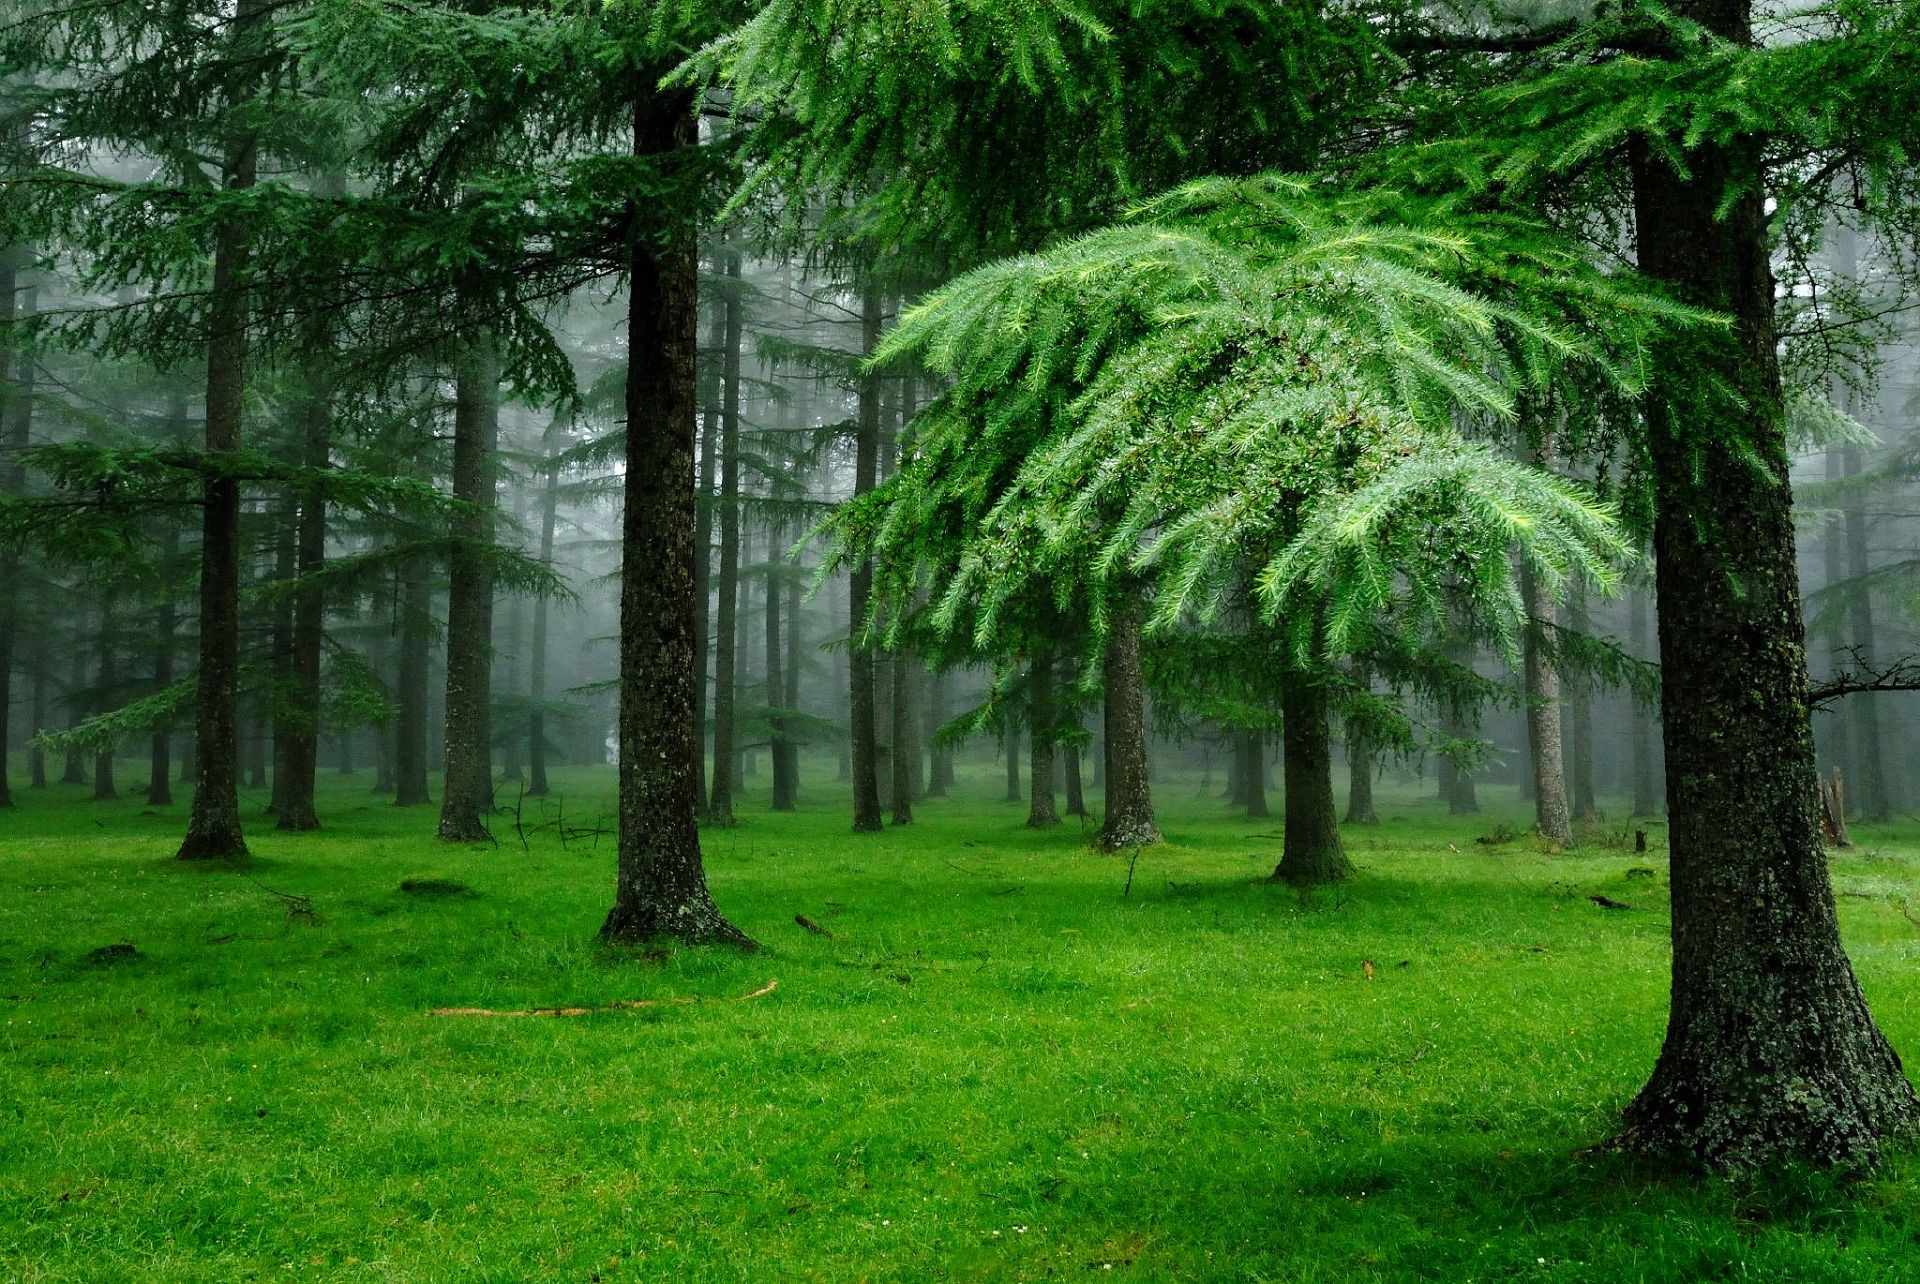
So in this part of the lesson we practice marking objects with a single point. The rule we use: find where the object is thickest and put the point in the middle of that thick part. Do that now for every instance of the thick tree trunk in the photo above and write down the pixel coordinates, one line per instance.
(213, 825)
(108, 678)
(1770, 1051)
(726, 637)
(1360, 810)
(1041, 811)
(661, 886)
(300, 749)
(537, 783)
(1310, 853)
(1646, 784)
(1552, 816)
(413, 688)
(466, 791)
(1129, 795)
(863, 731)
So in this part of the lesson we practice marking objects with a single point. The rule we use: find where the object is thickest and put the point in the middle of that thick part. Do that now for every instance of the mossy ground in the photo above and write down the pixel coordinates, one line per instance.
(998, 1066)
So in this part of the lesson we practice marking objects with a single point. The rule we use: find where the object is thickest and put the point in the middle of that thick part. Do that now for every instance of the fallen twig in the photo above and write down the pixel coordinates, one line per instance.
(618, 1005)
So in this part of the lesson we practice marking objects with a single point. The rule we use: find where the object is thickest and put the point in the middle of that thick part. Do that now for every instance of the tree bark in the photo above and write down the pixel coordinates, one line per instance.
(940, 757)
(1253, 772)
(906, 751)
(661, 886)
(299, 756)
(1041, 731)
(410, 727)
(863, 731)
(709, 376)
(1360, 810)
(1129, 795)
(1646, 789)
(1770, 1051)
(1311, 853)
(537, 783)
(1868, 781)
(1010, 744)
(466, 791)
(108, 678)
(1586, 807)
(12, 413)
(213, 824)
(1552, 815)
(726, 637)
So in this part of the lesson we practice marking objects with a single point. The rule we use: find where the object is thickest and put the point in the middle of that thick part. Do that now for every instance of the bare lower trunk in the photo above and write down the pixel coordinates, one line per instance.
(1360, 809)
(661, 886)
(1311, 853)
(1586, 806)
(1041, 811)
(1253, 772)
(726, 652)
(466, 790)
(12, 414)
(1129, 795)
(1552, 816)
(1646, 790)
(940, 757)
(906, 753)
(1770, 1051)
(410, 727)
(537, 784)
(863, 732)
(300, 749)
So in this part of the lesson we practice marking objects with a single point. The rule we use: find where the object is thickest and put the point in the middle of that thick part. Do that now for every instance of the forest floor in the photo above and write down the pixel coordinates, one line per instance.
(993, 1064)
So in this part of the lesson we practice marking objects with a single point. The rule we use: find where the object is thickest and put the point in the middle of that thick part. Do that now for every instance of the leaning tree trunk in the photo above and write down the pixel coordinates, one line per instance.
(661, 885)
(411, 688)
(1552, 816)
(537, 785)
(1360, 810)
(1770, 1051)
(213, 825)
(467, 788)
(1041, 812)
(726, 640)
(863, 732)
(1310, 853)
(1129, 796)
(299, 756)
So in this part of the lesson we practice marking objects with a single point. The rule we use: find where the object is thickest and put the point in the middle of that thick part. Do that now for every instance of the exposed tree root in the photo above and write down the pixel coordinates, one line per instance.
(621, 1005)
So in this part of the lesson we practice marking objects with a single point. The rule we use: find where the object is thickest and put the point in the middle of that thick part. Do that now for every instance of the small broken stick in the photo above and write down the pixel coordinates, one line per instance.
(1607, 902)
(810, 925)
(620, 1005)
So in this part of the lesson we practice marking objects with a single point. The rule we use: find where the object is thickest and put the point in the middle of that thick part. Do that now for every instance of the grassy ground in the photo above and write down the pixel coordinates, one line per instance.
(998, 1066)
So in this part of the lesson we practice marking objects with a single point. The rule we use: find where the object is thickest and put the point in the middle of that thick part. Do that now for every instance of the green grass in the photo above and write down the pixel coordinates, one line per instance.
(997, 1067)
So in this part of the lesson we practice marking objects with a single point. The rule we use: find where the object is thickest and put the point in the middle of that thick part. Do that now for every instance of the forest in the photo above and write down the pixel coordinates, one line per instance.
(1264, 640)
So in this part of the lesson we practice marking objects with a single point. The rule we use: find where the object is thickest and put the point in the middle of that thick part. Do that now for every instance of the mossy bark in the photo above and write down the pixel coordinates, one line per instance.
(1311, 853)
(1129, 793)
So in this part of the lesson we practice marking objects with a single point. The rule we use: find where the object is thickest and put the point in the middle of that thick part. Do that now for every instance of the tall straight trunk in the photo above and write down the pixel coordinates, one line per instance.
(661, 885)
(710, 384)
(299, 756)
(537, 784)
(1646, 790)
(789, 760)
(906, 750)
(344, 759)
(109, 678)
(255, 738)
(863, 731)
(279, 712)
(939, 756)
(1868, 784)
(160, 755)
(1770, 1050)
(726, 634)
(36, 756)
(1586, 807)
(1310, 853)
(1833, 549)
(1010, 745)
(413, 688)
(14, 367)
(744, 757)
(1041, 811)
(213, 825)
(1552, 815)
(1253, 772)
(1360, 810)
(466, 792)
(1461, 723)
(1129, 795)
(779, 696)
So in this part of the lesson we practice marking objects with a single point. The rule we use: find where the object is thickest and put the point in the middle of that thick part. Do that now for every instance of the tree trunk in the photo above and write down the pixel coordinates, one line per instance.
(906, 752)
(1457, 784)
(1010, 743)
(466, 791)
(300, 750)
(213, 825)
(1868, 779)
(786, 780)
(1253, 772)
(1646, 789)
(940, 757)
(1770, 1051)
(1552, 816)
(1041, 731)
(863, 731)
(661, 885)
(14, 413)
(1310, 853)
(286, 540)
(1586, 807)
(726, 640)
(410, 727)
(1360, 809)
(1129, 794)
(109, 678)
(537, 783)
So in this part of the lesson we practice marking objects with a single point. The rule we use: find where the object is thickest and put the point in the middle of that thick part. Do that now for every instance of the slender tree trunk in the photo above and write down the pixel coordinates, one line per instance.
(279, 699)
(790, 743)
(109, 678)
(1041, 811)
(1552, 816)
(940, 757)
(1586, 806)
(74, 770)
(537, 783)
(410, 727)
(1360, 809)
(1010, 744)
(1458, 788)
(710, 385)
(160, 755)
(1833, 548)
(1868, 783)
(14, 415)
(1253, 772)
(299, 756)
(36, 756)
(1310, 853)
(726, 638)
(466, 791)
(864, 732)
(213, 825)
(906, 753)
(1129, 795)
(661, 886)
(1646, 790)
(779, 697)
(1770, 1051)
